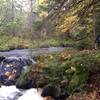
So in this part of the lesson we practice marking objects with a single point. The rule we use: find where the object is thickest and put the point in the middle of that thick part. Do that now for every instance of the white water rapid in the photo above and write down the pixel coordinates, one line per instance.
(12, 93)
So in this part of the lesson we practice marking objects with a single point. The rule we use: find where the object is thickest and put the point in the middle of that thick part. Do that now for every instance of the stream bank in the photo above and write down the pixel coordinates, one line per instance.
(68, 70)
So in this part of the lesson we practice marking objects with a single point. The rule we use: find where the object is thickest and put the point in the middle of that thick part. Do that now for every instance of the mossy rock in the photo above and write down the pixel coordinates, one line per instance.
(23, 82)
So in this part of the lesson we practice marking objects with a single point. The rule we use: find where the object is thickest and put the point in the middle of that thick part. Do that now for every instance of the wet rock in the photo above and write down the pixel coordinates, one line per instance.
(11, 68)
(63, 96)
(50, 90)
(23, 82)
(54, 92)
(27, 82)
(24, 85)
(1, 58)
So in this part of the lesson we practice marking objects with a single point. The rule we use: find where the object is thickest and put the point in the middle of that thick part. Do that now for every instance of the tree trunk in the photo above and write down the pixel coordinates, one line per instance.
(94, 25)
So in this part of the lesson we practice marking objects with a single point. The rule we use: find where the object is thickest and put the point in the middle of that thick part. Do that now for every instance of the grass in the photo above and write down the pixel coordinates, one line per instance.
(9, 43)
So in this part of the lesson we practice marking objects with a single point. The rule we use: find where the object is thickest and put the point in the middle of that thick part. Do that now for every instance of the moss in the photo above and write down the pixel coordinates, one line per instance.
(78, 79)
(73, 66)
(23, 82)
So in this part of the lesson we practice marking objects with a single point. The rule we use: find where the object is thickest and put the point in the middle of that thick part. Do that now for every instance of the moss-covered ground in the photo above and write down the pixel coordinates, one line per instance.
(71, 70)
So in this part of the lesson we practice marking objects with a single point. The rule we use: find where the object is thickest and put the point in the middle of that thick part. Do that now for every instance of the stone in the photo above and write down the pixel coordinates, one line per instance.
(11, 68)
(50, 90)
(54, 92)
(2, 58)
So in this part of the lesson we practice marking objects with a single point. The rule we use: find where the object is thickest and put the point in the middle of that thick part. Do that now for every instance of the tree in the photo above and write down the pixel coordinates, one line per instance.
(12, 17)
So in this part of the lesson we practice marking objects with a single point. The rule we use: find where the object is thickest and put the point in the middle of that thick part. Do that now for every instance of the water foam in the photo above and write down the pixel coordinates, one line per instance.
(12, 93)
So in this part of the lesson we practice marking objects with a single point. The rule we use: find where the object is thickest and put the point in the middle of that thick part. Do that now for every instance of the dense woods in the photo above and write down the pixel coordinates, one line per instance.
(75, 20)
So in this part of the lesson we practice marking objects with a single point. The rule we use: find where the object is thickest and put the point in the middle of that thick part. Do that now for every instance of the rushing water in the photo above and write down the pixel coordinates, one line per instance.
(11, 92)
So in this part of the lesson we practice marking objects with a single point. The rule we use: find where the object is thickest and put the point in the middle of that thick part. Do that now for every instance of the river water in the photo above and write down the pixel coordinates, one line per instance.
(11, 92)
(30, 52)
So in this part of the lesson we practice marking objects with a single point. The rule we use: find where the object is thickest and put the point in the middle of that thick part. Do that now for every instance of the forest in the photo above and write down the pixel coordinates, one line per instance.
(44, 23)
(73, 73)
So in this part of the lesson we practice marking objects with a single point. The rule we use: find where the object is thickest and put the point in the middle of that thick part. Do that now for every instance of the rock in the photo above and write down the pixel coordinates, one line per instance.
(24, 85)
(63, 96)
(50, 90)
(23, 82)
(54, 92)
(27, 82)
(11, 68)
(1, 58)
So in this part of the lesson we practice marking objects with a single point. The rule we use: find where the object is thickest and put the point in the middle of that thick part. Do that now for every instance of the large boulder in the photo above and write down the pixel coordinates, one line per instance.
(11, 68)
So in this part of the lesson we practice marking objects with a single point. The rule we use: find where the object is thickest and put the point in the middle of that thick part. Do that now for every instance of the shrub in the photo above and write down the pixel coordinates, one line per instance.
(69, 68)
